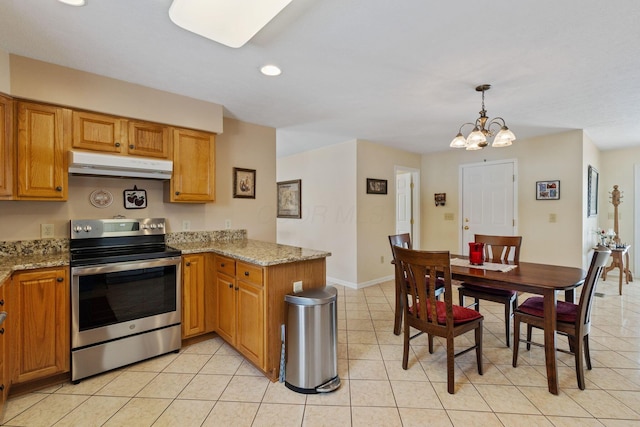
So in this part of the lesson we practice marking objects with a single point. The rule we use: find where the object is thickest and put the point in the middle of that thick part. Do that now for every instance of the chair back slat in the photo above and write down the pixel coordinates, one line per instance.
(598, 263)
(500, 248)
(402, 240)
(421, 269)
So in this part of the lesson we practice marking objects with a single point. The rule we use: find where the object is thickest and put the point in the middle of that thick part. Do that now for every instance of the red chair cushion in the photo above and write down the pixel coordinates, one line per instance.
(567, 312)
(489, 290)
(460, 314)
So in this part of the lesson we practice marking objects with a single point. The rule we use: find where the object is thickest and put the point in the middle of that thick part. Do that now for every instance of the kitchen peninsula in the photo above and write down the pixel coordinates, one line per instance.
(236, 287)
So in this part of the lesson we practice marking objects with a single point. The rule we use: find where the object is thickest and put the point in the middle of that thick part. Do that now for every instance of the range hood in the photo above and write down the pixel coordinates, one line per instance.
(87, 163)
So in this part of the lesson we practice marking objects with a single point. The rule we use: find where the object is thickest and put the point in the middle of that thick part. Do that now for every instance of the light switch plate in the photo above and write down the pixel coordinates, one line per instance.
(46, 231)
(297, 286)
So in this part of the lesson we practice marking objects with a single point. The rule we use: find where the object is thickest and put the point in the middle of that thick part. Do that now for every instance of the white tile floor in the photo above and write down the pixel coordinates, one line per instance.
(209, 384)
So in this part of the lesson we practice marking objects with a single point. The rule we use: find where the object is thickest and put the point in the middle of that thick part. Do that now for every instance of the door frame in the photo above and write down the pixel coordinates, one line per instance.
(415, 194)
(461, 168)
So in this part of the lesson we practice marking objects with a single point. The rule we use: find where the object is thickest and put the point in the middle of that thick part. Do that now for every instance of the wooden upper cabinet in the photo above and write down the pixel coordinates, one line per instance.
(6, 148)
(194, 163)
(115, 135)
(99, 132)
(43, 134)
(149, 140)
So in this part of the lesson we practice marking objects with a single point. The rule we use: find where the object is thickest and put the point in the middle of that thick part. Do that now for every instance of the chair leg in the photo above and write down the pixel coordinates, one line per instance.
(479, 348)
(430, 338)
(516, 339)
(397, 323)
(579, 364)
(587, 355)
(460, 298)
(451, 386)
(405, 354)
(507, 321)
(529, 329)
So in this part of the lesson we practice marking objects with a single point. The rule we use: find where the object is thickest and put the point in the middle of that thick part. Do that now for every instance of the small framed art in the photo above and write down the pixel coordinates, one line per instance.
(244, 183)
(548, 190)
(290, 199)
(135, 199)
(376, 186)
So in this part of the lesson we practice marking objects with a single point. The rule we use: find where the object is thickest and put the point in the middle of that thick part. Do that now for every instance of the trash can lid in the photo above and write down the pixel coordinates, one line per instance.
(315, 296)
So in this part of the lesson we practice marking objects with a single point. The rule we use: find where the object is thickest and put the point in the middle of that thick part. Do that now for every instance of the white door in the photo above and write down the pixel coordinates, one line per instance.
(404, 208)
(488, 204)
(407, 199)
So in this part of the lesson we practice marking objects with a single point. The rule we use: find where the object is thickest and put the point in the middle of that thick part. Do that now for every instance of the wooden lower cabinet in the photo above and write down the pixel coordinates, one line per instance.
(193, 295)
(250, 307)
(39, 339)
(4, 378)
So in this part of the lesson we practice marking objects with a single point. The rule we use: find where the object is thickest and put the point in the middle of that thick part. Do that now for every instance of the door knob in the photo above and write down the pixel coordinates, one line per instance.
(466, 227)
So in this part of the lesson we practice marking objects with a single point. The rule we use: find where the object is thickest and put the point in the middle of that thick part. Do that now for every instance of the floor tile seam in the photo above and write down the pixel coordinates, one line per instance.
(47, 395)
(635, 411)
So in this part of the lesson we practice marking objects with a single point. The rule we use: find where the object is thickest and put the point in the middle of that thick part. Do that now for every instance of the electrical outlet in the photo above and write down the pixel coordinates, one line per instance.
(297, 286)
(552, 217)
(227, 224)
(46, 231)
(186, 225)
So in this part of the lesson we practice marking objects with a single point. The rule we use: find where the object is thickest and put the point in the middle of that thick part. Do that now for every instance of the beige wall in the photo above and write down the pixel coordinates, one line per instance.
(553, 157)
(377, 213)
(244, 145)
(617, 168)
(5, 72)
(328, 207)
(338, 215)
(42, 81)
(241, 145)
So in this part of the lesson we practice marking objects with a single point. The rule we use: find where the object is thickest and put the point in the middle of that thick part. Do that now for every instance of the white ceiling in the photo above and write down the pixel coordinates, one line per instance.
(401, 73)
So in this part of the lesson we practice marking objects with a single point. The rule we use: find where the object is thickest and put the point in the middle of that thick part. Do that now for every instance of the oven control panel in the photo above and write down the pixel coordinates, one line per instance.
(116, 227)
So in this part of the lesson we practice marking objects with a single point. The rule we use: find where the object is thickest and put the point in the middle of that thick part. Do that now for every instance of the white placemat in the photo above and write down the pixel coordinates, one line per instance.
(486, 266)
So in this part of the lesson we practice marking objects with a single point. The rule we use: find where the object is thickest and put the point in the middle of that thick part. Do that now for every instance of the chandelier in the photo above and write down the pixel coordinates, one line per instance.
(477, 139)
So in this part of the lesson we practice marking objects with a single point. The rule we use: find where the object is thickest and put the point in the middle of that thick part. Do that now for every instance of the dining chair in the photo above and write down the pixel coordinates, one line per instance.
(426, 313)
(573, 320)
(497, 249)
(404, 241)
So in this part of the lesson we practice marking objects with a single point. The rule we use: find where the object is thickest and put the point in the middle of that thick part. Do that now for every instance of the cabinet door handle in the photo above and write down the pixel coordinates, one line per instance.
(58, 188)
(1, 302)
(236, 288)
(1, 387)
(246, 273)
(117, 144)
(222, 265)
(188, 264)
(131, 146)
(230, 285)
(1, 331)
(177, 193)
(60, 279)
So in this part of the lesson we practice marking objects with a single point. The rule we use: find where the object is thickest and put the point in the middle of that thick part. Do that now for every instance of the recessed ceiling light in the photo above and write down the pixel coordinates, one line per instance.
(73, 2)
(270, 70)
(230, 22)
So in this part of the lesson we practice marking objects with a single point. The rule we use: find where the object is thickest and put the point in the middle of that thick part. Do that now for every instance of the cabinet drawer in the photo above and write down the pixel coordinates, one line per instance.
(225, 265)
(249, 273)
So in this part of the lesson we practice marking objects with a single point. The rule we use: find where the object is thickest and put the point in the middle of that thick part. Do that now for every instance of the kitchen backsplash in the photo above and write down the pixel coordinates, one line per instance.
(50, 246)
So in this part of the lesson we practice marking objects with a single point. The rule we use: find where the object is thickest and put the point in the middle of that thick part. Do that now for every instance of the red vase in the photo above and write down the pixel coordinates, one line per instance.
(476, 253)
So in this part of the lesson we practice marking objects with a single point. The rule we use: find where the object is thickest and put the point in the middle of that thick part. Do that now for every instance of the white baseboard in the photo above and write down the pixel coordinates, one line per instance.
(360, 285)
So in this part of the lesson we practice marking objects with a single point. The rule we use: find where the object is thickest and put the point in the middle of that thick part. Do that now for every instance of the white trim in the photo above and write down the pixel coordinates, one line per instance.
(636, 211)
(359, 285)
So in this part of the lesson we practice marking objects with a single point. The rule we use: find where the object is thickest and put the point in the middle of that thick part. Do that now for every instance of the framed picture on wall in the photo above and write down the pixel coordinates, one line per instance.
(376, 186)
(244, 183)
(592, 192)
(548, 190)
(290, 199)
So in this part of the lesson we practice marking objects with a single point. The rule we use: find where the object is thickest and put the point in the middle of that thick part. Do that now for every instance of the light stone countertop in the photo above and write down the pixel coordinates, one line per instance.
(253, 251)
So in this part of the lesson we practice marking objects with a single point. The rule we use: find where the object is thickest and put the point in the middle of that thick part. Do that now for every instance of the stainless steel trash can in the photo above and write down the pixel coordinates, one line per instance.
(311, 341)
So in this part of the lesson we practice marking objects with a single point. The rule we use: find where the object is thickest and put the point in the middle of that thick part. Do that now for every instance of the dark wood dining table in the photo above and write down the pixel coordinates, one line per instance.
(542, 279)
